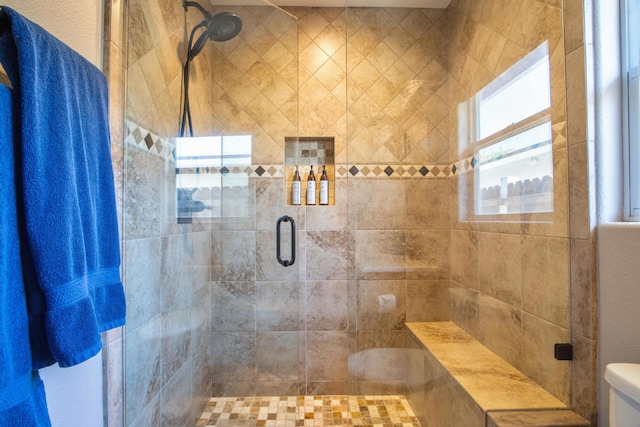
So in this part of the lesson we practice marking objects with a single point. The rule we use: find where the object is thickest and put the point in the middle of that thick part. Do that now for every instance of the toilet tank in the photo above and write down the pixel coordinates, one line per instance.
(624, 394)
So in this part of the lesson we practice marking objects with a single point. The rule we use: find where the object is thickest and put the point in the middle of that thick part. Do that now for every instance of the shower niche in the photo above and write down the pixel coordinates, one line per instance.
(304, 154)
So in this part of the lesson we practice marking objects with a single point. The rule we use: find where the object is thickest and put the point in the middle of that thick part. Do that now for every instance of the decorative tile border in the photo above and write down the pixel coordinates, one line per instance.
(253, 171)
(143, 140)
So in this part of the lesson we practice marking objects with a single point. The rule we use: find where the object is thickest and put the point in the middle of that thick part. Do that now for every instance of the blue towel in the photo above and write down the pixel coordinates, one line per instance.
(70, 243)
(22, 397)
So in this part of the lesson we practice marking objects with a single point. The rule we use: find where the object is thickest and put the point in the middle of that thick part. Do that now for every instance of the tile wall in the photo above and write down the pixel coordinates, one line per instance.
(166, 266)
(408, 71)
(545, 292)
(510, 280)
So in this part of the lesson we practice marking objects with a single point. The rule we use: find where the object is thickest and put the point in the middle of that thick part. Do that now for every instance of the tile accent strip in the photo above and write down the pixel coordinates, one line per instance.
(145, 141)
(292, 411)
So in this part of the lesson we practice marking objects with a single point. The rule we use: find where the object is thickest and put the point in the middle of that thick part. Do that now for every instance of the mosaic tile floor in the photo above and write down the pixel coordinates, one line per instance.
(316, 411)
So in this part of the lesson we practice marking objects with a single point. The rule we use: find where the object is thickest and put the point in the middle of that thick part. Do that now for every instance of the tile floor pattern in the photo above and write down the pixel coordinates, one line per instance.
(316, 411)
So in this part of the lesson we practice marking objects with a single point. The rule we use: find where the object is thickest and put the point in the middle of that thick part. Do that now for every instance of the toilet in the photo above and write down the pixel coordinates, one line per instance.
(624, 394)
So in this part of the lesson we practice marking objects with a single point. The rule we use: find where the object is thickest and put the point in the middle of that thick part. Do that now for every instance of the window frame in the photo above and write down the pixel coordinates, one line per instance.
(525, 124)
(630, 109)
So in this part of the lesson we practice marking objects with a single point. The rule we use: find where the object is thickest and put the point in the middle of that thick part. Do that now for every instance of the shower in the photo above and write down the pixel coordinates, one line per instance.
(220, 27)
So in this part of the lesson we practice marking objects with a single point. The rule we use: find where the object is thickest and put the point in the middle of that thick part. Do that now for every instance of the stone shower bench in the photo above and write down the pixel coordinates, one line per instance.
(464, 384)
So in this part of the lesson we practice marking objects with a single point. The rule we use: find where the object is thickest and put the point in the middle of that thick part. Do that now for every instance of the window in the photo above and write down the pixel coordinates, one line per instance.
(631, 91)
(210, 171)
(514, 171)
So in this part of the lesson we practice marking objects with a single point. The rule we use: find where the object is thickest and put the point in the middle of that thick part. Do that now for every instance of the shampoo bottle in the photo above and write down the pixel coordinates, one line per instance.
(324, 187)
(311, 188)
(295, 188)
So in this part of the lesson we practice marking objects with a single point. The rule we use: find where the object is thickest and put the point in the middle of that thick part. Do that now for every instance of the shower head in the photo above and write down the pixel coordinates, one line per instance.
(224, 26)
(219, 28)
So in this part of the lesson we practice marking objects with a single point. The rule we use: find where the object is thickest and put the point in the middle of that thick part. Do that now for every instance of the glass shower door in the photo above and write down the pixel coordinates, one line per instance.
(255, 300)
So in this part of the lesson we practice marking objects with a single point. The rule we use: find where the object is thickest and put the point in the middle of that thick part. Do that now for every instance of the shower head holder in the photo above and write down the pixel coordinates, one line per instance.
(187, 3)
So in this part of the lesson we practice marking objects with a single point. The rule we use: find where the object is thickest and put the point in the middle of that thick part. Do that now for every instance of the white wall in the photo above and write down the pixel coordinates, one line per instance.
(74, 395)
(618, 242)
(78, 23)
(618, 301)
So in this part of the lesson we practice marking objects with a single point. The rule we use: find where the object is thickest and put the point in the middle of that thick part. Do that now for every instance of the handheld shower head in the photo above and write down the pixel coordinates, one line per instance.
(219, 28)
(224, 26)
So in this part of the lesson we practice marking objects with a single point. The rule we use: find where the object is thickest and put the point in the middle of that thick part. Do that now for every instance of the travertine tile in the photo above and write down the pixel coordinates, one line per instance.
(501, 328)
(234, 357)
(299, 409)
(427, 300)
(324, 248)
(583, 290)
(278, 306)
(380, 254)
(579, 203)
(277, 356)
(576, 109)
(464, 258)
(499, 266)
(234, 306)
(427, 255)
(400, 44)
(539, 337)
(491, 382)
(381, 304)
(545, 278)
(556, 418)
(323, 365)
(327, 306)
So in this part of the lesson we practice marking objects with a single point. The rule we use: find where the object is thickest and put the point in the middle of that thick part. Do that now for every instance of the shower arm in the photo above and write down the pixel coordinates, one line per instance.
(186, 4)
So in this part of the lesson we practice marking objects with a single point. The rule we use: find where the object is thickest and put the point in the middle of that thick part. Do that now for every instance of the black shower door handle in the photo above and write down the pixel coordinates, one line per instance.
(286, 262)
